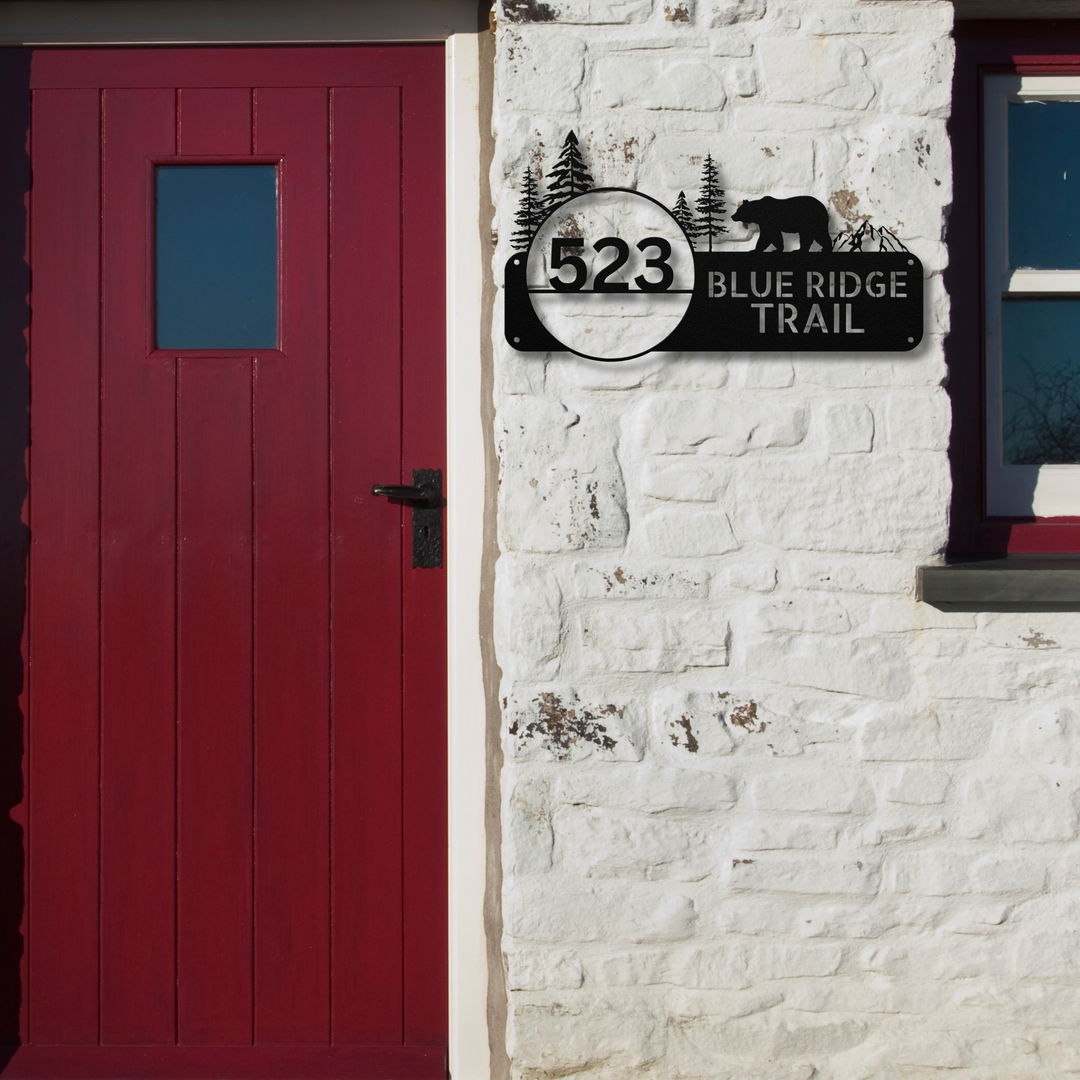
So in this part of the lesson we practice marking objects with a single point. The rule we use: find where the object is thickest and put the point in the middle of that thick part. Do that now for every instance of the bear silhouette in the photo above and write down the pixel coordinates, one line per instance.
(774, 217)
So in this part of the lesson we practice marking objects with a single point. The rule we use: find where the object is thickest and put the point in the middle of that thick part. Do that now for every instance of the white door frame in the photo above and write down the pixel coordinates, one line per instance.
(469, 1054)
(182, 22)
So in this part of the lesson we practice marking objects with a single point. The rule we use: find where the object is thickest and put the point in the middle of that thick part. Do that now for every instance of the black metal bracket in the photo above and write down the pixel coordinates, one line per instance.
(425, 498)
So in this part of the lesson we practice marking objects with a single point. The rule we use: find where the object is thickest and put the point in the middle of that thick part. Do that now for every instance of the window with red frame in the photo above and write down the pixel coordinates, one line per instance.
(1014, 279)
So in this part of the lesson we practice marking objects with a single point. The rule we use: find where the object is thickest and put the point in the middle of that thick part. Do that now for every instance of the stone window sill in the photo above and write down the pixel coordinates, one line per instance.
(1009, 583)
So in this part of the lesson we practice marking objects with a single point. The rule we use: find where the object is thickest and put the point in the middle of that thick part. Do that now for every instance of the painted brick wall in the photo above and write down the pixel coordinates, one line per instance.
(764, 815)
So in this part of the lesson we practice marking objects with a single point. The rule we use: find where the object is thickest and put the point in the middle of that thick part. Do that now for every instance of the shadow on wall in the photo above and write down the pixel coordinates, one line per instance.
(14, 535)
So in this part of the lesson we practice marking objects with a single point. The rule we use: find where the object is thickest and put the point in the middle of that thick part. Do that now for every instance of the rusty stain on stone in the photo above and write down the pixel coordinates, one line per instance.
(562, 726)
(528, 11)
(691, 739)
(569, 228)
(745, 716)
(844, 202)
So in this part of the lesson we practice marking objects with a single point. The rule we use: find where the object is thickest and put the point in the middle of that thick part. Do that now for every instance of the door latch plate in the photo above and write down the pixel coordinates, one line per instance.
(427, 524)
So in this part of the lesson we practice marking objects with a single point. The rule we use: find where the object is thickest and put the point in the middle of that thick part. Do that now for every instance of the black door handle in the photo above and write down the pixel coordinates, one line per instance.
(424, 496)
(418, 494)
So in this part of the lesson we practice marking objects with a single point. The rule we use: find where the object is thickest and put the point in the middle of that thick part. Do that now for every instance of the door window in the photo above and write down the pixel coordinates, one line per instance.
(216, 256)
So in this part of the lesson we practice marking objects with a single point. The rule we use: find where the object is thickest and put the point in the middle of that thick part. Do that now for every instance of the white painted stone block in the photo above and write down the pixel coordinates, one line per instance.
(835, 572)
(689, 727)
(715, 424)
(680, 481)
(743, 80)
(1047, 735)
(768, 372)
(531, 837)
(548, 970)
(541, 71)
(915, 73)
(629, 579)
(822, 70)
(680, 534)
(869, 503)
(1002, 873)
(528, 616)
(929, 873)
(849, 428)
(825, 792)
(719, 967)
(726, 12)
(815, 614)
(1018, 807)
(593, 843)
(914, 785)
(561, 486)
(616, 639)
(917, 421)
(772, 835)
(751, 575)
(652, 790)
(873, 667)
(649, 83)
(805, 874)
(773, 960)
(930, 19)
(900, 734)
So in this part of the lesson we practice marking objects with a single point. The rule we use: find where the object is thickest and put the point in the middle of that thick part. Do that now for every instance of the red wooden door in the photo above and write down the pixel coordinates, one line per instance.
(235, 765)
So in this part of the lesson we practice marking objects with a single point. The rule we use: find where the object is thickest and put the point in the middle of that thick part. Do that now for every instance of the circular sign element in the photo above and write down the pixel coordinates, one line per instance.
(610, 273)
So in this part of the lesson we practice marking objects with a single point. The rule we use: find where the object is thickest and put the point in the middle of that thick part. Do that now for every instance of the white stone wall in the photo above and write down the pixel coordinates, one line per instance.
(764, 815)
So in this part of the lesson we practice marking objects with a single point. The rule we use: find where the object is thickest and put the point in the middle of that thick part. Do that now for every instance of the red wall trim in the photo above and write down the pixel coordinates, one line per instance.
(981, 47)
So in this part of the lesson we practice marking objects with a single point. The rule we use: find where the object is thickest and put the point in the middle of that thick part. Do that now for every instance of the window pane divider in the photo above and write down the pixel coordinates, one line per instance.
(1043, 281)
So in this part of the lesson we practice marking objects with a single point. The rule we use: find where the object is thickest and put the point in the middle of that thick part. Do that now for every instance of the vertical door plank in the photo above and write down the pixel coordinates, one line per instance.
(63, 668)
(214, 121)
(366, 582)
(15, 177)
(14, 526)
(214, 890)
(138, 408)
(424, 591)
(292, 616)
(214, 655)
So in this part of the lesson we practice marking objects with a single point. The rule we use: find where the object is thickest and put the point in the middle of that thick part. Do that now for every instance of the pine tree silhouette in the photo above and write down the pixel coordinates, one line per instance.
(569, 177)
(685, 217)
(530, 213)
(710, 204)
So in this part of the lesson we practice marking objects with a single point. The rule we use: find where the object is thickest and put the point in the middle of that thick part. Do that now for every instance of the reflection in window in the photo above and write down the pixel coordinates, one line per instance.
(1044, 184)
(1041, 381)
(216, 257)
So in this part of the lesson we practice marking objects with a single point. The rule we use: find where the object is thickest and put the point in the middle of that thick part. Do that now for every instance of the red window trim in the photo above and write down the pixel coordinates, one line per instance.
(1023, 47)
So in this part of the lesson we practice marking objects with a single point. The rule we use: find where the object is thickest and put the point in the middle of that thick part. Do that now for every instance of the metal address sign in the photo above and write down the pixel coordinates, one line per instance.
(611, 273)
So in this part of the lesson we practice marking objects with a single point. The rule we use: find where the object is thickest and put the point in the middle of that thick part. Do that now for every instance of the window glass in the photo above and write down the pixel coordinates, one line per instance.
(1031, 161)
(1044, 184)
(1041, 381)
(216, 248)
